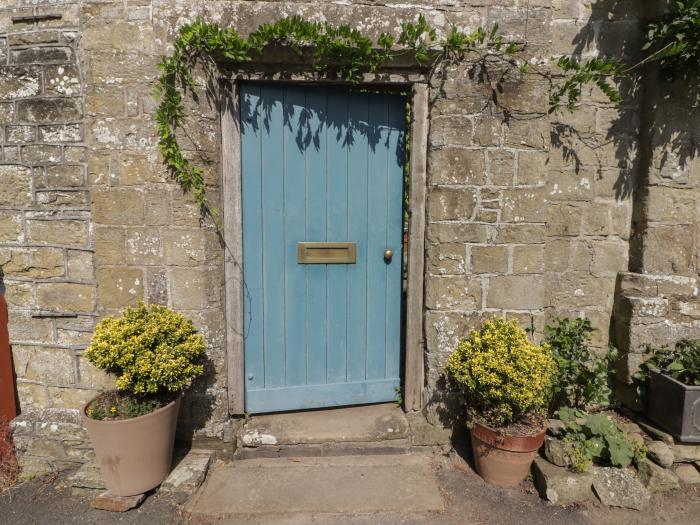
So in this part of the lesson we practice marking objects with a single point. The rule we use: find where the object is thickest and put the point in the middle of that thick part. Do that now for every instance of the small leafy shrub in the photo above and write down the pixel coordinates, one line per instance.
(582, 375)
(153, 352)
(682, 362)
(596, 438)
(9, 468)
(502, 374)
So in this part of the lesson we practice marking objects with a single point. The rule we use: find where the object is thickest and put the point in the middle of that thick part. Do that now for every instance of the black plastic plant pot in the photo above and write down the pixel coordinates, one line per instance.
(675, 407)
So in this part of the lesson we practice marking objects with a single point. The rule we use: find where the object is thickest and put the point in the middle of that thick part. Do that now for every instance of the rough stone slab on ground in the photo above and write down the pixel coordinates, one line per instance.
(359, 424)
(189, 473)
(556, 452)
(559, 485)
(688, 473)
(556, 427)
(656, 478)
(619, 487)
(384, 483)
(87, 481)
(107, 501)
(660, 453)
(686, 452)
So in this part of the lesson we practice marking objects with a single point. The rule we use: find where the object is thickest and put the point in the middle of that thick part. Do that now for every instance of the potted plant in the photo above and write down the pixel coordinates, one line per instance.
(674, 389)
(506, 383)
(154, 353)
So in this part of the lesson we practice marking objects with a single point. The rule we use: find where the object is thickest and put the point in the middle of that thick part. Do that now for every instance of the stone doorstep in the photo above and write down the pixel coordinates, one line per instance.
(339, 431)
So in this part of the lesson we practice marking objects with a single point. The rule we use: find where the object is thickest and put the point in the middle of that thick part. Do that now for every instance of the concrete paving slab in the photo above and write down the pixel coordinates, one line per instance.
(345, 484)
(359, 424)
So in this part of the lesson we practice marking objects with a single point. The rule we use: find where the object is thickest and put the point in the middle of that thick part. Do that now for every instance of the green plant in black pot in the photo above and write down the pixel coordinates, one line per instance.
(682, 362)
(582, 377)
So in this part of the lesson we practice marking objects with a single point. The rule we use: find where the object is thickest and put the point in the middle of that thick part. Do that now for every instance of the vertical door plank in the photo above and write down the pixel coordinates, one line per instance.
(337, 174)
(314, 138)
(251, 166)
(396, 163)
(378, 159)
(358, 118)
(295, 231)
(273, 234)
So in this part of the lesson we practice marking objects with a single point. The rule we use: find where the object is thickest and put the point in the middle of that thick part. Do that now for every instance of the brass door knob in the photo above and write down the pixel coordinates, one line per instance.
(388, 255)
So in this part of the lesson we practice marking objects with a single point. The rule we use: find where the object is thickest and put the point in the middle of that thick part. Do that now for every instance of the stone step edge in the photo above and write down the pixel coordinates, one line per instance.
(332, 449)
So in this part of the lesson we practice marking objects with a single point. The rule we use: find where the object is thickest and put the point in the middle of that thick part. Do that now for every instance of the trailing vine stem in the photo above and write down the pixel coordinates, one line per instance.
(335, 49)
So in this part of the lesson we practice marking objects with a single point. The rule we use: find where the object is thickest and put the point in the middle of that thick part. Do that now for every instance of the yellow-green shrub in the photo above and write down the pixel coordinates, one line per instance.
(151, 350)
(503, 375)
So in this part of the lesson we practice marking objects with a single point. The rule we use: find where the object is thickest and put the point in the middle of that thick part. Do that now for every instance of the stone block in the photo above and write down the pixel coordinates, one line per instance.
(531, 133)
(448, 203)
(501, 165)
(22, 134)
(18, 294)
(489, 259)
(560, 486)
(156, 286)
(660, 453)
(667, 249)
(519, 234)
(656, 478)
(456, 166)
(194, 289)
(91, 377)
(688, 473)
(444, 330)
(64, 176)
(106, 101)
(557, 254)
(453, 292)
(514, 292)
(40, 153)
(190, 247)
(61, 133)
(616, 487)
(15, 186)
(66, 297)
(117, 35)
(109, 502)
(49, 111)
(10, 226)
(457, 232)
(72, 398)
(143, 246)
(524, 205)
(61, 79)
(118, 206)
(446, 259)
(110, 245)
(37, 263)
(488, 131)
(528, 259)
(67, 232)
(609, 257)
(64, 198)
(41, 55)
(119, 286)
(189, 473)
(80, 265)
(32, 395)
(25, 328)
(450, 131)
(47, 365)
(564, 219)
(532, 168)
(158, 207)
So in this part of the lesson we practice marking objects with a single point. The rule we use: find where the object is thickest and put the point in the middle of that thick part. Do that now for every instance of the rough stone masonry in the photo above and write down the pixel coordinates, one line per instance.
(529, 215)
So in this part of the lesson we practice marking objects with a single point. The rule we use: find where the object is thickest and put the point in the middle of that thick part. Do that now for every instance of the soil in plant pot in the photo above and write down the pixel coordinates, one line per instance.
(115, 406)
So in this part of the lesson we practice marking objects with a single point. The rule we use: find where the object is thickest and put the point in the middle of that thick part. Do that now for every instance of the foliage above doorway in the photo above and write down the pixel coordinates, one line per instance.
(673, 42)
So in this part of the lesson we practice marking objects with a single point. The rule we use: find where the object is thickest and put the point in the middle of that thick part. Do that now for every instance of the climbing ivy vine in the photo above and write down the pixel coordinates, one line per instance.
(674, 42)
(341, 50)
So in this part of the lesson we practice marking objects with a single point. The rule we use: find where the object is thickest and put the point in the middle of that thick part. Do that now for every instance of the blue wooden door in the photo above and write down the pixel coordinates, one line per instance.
(321, 164)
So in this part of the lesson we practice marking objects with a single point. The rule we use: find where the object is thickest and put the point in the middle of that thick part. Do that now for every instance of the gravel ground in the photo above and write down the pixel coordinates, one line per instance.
(469, 502)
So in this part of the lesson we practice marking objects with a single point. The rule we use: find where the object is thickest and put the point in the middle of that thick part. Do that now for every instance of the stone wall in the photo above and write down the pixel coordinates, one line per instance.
(529, 215)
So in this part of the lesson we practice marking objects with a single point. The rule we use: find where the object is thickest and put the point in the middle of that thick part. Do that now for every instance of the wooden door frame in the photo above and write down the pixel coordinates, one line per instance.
(233, 235)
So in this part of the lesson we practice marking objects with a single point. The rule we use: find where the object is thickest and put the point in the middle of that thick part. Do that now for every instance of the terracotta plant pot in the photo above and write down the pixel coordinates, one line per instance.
(135, 454)
(502, 459)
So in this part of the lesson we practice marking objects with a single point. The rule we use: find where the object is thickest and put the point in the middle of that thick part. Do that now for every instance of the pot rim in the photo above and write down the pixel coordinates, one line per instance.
(108, 422)
(658, 372)
(496, 430)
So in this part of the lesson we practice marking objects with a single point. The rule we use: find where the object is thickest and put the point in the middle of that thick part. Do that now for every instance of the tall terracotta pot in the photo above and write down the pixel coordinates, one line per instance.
(134, 454)
(502, 459)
